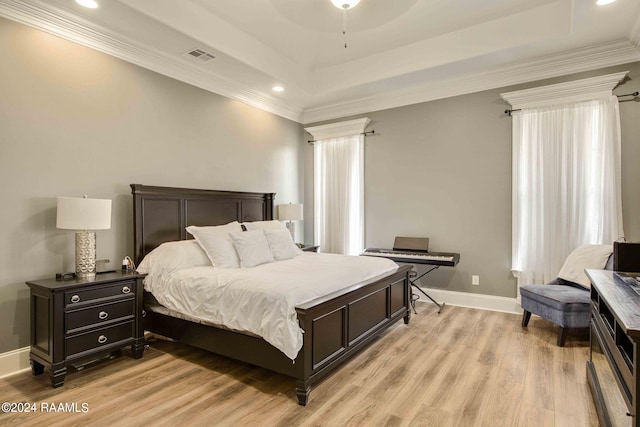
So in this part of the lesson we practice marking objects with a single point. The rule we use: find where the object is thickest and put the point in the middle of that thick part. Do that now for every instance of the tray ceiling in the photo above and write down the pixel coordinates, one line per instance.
(399, 52)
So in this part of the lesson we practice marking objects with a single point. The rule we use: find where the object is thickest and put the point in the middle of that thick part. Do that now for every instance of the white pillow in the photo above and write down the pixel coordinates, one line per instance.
(265, 225)
(586, 256)
(217, 244)
(170, 257)
(174, 256)
(281, 244)
(252, 247)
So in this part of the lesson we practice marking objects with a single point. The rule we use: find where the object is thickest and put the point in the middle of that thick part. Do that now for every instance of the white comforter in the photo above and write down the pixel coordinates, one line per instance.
(262, 299)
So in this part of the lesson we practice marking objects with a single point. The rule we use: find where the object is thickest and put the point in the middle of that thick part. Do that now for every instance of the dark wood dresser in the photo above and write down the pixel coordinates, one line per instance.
(612, 368)
(76, 321)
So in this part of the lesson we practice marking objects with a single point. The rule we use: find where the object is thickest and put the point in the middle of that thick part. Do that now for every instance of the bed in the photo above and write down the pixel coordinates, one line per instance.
(336, 326)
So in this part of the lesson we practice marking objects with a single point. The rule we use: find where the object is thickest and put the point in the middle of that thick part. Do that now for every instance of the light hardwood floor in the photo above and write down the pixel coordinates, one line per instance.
(463, 367)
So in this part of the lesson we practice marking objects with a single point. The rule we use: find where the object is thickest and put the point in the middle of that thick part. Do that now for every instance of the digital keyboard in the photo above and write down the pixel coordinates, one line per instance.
(448, 259)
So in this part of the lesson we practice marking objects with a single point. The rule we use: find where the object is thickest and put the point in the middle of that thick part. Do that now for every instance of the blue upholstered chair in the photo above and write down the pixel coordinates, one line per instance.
(562, 302)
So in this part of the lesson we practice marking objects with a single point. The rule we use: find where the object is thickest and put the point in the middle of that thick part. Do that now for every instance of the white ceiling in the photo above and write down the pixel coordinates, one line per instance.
(399, 51)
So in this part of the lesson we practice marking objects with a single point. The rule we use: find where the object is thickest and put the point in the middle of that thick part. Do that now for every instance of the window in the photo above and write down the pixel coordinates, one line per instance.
(339, 187)
(566, 176)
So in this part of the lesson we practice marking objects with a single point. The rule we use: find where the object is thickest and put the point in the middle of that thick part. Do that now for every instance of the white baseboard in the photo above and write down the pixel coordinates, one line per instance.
(479, 301)
(14, 361)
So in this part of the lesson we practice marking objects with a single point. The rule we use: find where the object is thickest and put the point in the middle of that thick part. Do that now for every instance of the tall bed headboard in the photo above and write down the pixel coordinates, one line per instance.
(162, 213)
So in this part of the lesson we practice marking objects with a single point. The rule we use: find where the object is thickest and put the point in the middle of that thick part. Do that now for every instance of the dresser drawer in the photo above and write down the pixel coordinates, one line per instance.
(97, 292)
(96, 314)
(98, 338)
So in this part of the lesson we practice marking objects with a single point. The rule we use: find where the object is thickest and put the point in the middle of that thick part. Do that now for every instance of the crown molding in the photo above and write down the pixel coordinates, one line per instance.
(56, 21)
(562, 93)
(565, 63)
(339, 129)
(53, 20)
(634, 35)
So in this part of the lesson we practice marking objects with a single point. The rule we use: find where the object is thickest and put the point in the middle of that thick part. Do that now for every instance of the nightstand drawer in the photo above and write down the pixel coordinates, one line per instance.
(98, 313)
(97, 292)
(99, 338)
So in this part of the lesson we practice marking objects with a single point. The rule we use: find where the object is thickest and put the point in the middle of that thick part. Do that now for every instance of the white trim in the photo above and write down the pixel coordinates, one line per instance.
(478, 301)
(58, 22)
(54, 20)
(339, 129)
(562, 93)
(575, 61)
(14, 361)
(634, 35)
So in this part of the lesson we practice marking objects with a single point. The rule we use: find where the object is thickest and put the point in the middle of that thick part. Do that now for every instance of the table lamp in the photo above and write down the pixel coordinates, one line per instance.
(291, 212)
(84, 214)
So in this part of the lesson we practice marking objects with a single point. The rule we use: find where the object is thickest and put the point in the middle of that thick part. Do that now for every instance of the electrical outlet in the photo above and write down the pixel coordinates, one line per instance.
(475, 280)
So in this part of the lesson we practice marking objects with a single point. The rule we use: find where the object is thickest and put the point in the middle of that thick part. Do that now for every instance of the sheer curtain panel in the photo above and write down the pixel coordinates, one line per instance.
(339, 194)
(566, 184)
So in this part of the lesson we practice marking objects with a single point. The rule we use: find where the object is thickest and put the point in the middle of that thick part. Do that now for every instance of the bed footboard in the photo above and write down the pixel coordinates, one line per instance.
(338, 326)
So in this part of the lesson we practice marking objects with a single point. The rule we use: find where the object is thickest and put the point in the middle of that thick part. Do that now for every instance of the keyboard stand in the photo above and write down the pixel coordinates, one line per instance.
(413, 278)
(447, 259)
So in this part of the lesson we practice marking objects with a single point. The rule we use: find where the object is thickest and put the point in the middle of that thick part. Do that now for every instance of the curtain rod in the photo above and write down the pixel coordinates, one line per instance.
(634, 94)
(370, 132)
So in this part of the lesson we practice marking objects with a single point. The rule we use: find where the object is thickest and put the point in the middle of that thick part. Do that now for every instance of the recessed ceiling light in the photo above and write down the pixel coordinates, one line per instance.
(277, 89)
(91, 4)
(603, 2)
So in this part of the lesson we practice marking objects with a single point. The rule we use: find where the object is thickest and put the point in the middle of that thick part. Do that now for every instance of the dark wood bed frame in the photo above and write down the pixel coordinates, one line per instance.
(335, 326)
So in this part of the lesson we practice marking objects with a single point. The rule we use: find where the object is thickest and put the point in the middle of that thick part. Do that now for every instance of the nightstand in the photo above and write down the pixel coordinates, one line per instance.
(76, 321)
(310, 248)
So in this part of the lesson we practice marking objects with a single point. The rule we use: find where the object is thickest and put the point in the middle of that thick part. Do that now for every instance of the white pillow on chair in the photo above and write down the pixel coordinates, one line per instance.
(586, 256)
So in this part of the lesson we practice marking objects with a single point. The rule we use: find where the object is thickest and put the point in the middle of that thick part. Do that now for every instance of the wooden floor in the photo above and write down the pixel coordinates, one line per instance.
(463, 367)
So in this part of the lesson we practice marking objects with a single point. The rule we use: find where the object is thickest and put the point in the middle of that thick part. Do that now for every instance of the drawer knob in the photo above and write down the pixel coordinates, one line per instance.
(103, 315)
(144, 313)
(75, 298)
(102, 339)
(125, 290)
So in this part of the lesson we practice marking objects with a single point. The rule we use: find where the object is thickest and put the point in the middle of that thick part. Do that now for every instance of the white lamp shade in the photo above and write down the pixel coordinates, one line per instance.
(345, 4)
(290, 212)
(75, 213)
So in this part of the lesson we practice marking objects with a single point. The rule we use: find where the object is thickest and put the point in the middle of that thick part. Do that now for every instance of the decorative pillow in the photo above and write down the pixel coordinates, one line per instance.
(586, 256)
(265, 225)
(217, 244)
(281, 244)
(252, 247)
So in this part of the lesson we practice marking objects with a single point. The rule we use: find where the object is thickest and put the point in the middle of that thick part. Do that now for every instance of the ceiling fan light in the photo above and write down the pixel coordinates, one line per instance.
(345, 4)
(91, 4)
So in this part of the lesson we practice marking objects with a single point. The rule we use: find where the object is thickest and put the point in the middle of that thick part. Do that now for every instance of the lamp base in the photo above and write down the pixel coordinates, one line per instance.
(85, 254)
(291, 226)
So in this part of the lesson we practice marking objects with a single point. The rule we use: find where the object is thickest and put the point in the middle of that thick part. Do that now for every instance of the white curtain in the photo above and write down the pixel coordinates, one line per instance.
(566, 184)
(339, 194)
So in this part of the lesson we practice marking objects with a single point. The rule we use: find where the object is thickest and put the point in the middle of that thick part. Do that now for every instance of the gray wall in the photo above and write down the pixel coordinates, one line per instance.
(74, 121)
(442, 169)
